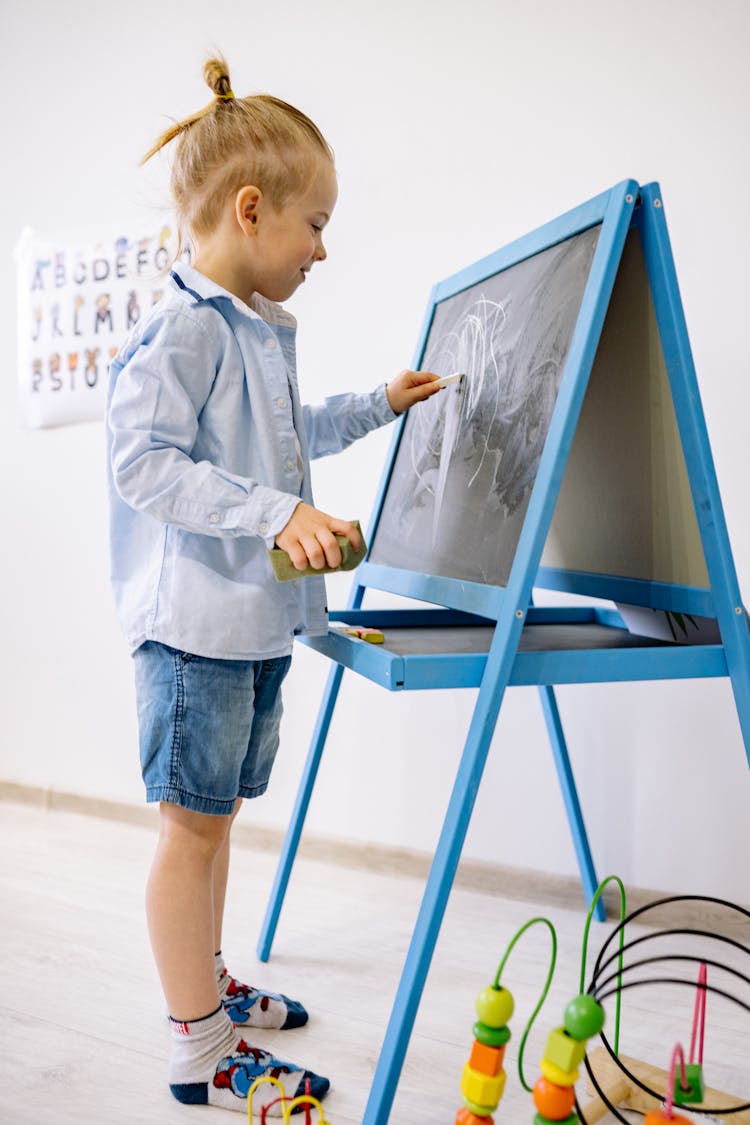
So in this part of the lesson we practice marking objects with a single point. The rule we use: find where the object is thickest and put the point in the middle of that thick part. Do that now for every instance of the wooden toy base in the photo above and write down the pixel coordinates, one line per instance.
(621, 1092)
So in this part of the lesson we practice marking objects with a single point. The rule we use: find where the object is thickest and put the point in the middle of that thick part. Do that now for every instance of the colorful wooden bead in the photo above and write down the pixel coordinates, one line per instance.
(555, 1103)
(574, 1119)
(583, 1017)
(481, 1088)
(557, 1075)
(487, 1060)
(492, 1036)
(494, 1006)
(466, 1117)
(563, 1050)
(478, 1110)
(694, 1091)
(656, 1116)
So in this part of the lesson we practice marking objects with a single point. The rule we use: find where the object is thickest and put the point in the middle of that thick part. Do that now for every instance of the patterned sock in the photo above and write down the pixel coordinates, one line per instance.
(211, 1065)
(249, 1007)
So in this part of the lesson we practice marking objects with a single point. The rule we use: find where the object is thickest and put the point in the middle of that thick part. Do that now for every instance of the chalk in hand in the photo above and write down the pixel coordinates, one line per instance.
(446, 380)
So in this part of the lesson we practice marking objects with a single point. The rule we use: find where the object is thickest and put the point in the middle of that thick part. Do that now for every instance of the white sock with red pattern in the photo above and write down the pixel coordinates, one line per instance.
(251, 1007)
(211, 1064)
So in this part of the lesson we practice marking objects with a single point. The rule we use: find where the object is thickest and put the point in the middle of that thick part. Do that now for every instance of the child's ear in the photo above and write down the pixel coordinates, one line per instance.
(247, 206)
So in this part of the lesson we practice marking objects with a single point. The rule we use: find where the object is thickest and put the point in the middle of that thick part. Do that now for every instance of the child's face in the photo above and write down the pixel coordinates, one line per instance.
(289, 239)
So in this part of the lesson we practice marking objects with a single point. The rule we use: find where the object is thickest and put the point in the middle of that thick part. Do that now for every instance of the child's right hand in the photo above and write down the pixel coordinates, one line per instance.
(309, 538)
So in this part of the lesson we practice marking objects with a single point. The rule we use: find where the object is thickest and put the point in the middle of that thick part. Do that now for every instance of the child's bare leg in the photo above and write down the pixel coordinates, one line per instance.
(210, 1063)
(221, 875)
(180, 908)
(247, 1006)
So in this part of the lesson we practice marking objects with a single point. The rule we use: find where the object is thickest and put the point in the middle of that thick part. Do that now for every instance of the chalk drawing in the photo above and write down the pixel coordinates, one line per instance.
(468, 458)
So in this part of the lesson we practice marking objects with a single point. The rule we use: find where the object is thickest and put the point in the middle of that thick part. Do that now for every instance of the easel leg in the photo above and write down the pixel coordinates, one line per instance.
(570, 797)
(294, 831)
(434, 901)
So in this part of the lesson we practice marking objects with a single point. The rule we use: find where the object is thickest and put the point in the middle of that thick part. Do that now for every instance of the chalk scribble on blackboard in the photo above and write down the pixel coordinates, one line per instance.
(468, 457)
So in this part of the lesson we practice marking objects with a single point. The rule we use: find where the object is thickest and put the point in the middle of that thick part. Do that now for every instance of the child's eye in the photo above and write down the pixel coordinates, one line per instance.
(316, 228)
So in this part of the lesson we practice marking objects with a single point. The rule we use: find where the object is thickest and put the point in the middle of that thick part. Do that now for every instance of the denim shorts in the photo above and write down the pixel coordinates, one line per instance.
(208, 729)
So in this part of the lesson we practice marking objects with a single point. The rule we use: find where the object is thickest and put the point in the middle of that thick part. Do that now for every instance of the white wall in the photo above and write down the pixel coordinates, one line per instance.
(456, 129)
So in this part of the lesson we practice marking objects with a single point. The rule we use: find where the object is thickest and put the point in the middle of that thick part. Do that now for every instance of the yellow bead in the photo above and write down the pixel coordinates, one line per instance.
(564, 1051)
(557, 1075)
(480, 1088)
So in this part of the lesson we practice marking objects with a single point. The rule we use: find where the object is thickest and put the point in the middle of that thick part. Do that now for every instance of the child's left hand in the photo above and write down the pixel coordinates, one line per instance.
(410, 387)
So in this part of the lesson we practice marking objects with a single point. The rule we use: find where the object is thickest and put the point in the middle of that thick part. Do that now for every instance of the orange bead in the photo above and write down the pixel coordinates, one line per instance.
(554, 1102)
(466, 1117)
(487, 1060)
(655, 1117)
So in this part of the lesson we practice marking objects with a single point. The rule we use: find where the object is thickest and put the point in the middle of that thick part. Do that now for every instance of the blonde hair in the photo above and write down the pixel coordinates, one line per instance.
(231, 142)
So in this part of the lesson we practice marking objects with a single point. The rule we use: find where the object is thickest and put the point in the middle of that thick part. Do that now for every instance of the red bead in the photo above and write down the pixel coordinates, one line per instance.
(554, 1102)
(466, 1117)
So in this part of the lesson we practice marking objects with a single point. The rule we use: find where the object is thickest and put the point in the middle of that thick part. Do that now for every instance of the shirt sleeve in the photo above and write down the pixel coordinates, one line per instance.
(342, 419)
(153, 421)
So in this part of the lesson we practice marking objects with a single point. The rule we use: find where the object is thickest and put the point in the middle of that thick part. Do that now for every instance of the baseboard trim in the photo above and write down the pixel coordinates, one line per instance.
(496, 880)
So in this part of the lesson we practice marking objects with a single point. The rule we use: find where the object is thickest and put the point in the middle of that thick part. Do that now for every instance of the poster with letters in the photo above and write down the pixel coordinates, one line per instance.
(79, 294)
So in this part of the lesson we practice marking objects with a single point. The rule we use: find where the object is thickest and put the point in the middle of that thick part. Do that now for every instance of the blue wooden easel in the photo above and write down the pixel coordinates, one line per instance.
(492, 636)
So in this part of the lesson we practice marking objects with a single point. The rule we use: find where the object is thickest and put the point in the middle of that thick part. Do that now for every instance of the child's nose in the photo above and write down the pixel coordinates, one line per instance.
(321, 253)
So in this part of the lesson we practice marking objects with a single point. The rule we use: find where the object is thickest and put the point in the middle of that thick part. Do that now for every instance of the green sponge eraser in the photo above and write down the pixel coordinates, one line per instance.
(285, 570)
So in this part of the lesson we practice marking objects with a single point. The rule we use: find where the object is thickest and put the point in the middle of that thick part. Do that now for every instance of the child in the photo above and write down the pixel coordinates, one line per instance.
(209, 451)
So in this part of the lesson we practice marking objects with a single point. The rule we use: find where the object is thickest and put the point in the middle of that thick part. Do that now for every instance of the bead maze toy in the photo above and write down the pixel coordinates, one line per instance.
(615, 1080)
(619, 1081)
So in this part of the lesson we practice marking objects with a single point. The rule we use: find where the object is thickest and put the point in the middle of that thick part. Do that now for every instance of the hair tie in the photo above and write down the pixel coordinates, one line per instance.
(225, 97)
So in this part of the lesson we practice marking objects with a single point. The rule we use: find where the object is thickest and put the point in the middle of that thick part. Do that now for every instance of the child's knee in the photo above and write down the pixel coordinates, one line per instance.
(200, 832)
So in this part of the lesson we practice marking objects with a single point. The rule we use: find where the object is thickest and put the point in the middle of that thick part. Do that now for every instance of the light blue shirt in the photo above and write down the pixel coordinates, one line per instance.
(208, 456)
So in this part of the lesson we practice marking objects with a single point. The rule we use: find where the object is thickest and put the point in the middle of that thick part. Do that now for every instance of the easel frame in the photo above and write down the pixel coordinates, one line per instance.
(502, 615)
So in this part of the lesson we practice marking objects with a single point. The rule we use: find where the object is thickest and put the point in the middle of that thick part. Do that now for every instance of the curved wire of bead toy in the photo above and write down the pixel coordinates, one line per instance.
(288, 1105)
(688, 1088)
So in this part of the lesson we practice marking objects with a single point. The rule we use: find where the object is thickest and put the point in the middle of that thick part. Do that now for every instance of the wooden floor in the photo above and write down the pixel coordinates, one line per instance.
(83, 1036)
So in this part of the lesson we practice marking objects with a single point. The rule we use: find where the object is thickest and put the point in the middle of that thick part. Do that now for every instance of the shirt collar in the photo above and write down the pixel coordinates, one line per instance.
(201, 288)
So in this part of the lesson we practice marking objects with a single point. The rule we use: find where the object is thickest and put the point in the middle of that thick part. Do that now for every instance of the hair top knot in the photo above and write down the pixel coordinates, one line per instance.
(216, 75)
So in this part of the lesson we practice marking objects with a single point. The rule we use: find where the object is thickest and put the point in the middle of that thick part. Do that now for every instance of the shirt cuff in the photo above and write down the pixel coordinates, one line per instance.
(381, 407)
(274, 516)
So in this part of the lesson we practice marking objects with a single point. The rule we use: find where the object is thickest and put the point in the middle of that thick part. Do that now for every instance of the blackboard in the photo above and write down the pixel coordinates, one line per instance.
(462, 476)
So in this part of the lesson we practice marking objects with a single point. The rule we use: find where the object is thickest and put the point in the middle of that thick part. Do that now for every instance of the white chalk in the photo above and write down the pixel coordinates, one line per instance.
(447, 379)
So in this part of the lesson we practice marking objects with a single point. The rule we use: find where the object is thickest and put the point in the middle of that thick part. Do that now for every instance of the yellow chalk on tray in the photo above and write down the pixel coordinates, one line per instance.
(365, 633)
(286, 571)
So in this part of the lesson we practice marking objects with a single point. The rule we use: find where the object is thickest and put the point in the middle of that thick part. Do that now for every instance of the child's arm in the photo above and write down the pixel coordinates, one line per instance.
(310, 538)
(343, 419)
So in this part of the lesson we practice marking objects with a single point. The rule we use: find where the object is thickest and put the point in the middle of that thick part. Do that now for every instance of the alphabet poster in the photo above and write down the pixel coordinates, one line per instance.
(78, 297)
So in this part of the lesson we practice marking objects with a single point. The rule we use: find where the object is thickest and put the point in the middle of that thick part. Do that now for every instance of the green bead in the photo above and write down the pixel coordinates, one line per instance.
(494, 1006)
(583, 1017)
(491, 1036)
(574, 1119)
(694, 1079)
(476, 1109)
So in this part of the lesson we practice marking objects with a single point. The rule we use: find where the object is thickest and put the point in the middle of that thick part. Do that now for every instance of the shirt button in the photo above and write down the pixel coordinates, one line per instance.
(214, 517)
(270, 343)
(282, 403)
(263, 527)
(290, 463)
